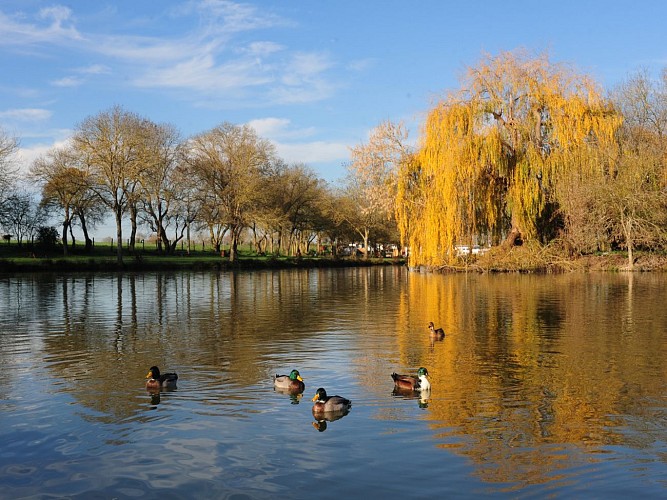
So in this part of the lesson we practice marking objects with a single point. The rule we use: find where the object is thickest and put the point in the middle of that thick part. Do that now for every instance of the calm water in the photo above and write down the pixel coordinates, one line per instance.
(544, 385)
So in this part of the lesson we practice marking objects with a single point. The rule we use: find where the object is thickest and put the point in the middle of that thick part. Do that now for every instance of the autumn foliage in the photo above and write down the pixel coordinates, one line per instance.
(494, 154)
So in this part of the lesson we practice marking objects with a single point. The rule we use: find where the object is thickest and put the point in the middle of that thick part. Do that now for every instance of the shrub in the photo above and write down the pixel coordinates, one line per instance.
(47, 238)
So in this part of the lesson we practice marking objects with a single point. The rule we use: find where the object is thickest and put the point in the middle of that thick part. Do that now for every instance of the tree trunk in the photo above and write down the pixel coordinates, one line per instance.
(119, 234)
(514, 238)
(86, 237)
(280, 242)
(255, 240)
(66, 224)
(214, 241)
(133, 225)
(233, 247)
(365, 236)
(627, 229)
(71, 233)
(164, 239)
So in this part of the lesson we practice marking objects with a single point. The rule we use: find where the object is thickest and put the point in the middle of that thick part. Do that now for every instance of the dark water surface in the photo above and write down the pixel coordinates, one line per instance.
(545, 386)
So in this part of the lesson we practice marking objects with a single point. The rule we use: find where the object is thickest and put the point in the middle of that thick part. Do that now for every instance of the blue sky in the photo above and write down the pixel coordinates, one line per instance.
(313, 77)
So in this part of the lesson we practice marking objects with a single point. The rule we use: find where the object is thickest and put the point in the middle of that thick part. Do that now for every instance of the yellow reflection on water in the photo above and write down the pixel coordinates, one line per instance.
(534, 367)
(535, 373)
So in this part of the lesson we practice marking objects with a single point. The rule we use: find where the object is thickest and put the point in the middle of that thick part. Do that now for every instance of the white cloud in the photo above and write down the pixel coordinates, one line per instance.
(304, 65)
(303, 80)
(278, 128)
(209, 60)
(261, 68)
(14, 32)
(95, 69)
(68, 81)
(263, 48)
(202, 74)
(76, 81)
(230, 17)
(361, 64)
(26, 114)
(313, 152)
(282, 135)
(26, 156)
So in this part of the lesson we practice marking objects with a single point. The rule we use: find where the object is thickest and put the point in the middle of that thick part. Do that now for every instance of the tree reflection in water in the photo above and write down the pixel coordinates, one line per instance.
(538, 377)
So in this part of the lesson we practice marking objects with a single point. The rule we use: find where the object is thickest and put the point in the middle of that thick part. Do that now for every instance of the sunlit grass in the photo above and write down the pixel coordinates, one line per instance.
(103, 257)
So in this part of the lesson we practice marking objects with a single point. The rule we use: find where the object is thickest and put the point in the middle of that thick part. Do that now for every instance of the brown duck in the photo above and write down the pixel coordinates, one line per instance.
(412, 383)
(436, 333)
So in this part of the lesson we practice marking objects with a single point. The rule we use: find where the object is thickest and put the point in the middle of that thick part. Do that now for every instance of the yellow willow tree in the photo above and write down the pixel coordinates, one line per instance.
(492, 155)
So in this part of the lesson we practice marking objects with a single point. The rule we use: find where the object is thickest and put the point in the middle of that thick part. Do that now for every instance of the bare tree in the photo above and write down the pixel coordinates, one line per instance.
(289, 205)
(159, 191)
(22, 216)
(634, 199)
(111, 145)
(8, 170)
(67, 188)
(372, 178)
(229, 162)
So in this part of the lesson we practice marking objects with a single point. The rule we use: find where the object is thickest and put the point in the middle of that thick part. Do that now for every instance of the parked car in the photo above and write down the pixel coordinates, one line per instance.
(462, 250)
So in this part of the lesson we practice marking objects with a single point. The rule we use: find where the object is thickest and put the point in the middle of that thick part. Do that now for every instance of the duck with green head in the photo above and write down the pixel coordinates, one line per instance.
(292, 382)
(324, 403)
(412, 383)
(157, 380)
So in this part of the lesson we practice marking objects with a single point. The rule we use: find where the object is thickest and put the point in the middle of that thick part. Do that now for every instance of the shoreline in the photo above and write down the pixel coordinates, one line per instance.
(607, 262)
(171, 263)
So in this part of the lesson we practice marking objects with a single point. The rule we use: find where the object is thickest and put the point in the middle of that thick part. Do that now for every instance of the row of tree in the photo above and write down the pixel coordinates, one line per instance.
(19, 215)
(227, 182)
(525, 151)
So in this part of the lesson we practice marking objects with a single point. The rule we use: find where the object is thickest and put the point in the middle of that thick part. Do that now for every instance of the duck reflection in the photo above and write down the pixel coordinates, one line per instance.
(156, 393)
(423, 397)
(155, 397)
(321, 418)
(294, 396)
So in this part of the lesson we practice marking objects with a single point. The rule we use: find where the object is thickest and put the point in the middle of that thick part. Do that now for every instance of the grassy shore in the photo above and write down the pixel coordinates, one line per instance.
(535, 258)
(14, 259)
(527, 259)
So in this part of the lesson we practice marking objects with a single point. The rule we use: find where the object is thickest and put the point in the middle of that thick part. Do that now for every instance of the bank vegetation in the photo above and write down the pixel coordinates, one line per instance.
(529, 161)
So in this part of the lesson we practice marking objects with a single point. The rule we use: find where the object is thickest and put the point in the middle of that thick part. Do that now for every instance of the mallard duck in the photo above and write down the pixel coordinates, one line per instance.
(292, 382)
(409, 382)
(436, 333)
(324, 403)
(156, 380)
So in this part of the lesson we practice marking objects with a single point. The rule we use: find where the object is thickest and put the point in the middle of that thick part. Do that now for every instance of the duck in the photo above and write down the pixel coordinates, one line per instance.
(412, 383)
(292, 382)
(436, 333)
(324, 403)
(157, 380)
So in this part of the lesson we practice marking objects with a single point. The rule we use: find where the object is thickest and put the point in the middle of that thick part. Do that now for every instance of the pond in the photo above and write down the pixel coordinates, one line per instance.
(542, 386)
